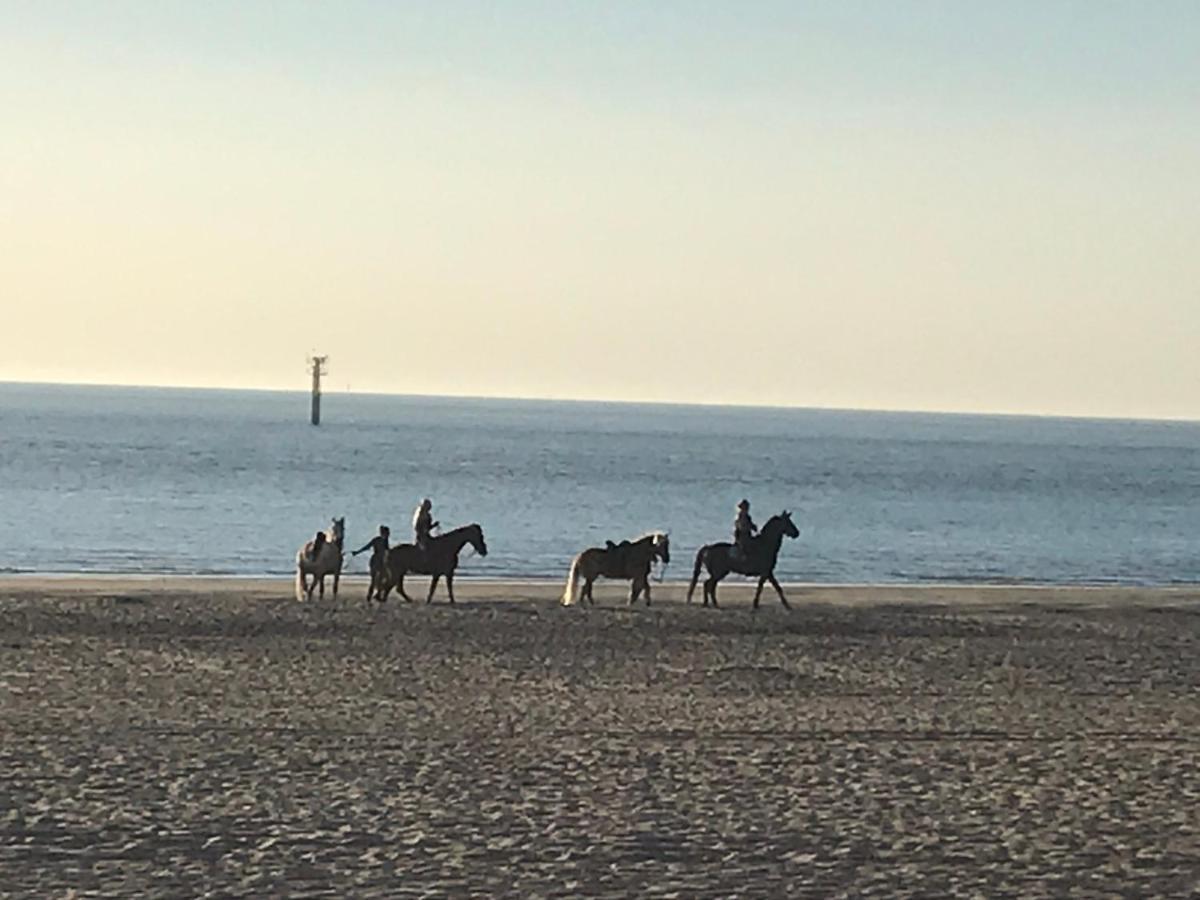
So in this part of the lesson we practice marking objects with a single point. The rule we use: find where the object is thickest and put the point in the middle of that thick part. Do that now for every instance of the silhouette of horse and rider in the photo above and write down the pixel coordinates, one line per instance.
(752, 553)
(749, 554)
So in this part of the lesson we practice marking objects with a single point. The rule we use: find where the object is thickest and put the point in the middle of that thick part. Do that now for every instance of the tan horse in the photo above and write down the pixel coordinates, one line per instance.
(327, 562)
(628, 561)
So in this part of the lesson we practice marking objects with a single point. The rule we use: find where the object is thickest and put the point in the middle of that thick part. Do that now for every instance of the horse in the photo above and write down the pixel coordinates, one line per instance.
(630, 561)
(328, 560)
(759, 559)
(440, 558)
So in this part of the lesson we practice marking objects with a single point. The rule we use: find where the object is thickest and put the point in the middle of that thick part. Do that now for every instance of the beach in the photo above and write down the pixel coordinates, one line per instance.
(188, 737)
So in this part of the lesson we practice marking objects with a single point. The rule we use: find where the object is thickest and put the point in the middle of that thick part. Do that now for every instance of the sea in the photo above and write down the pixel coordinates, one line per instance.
(212, 482)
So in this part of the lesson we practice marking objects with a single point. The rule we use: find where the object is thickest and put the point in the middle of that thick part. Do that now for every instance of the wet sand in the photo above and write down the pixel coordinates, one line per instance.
(190, 737)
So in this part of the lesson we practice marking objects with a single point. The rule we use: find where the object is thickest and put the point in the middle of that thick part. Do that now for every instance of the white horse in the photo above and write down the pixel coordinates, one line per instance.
(328, 560)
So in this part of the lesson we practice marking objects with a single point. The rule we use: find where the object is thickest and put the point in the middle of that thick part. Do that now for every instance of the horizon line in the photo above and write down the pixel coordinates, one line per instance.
(303, 391)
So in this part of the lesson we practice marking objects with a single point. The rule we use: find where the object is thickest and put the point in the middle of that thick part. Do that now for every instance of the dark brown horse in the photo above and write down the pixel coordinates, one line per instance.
(630, 561)
(440, 559)
(758, 559)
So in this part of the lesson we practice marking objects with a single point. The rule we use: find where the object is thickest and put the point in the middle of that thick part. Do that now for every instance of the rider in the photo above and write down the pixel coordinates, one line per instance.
(378, 546)
(743, 528)
(423, 523)
(317, 545)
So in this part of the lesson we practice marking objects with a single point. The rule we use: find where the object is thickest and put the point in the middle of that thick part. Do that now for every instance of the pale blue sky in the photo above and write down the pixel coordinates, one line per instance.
(926, 205)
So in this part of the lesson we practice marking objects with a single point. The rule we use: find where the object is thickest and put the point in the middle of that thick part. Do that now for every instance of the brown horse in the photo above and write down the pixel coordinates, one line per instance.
(759, 559)
(440, 559)
(629, 561)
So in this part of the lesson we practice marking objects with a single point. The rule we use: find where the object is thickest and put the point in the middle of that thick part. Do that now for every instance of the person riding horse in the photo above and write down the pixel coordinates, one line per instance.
(744, 529)
(317, 545)
(722, 558)
(320, 557)
(423, 524)
(378, 546)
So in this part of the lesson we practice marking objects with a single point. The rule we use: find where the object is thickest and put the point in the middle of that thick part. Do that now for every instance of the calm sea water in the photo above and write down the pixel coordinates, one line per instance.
(140, 480)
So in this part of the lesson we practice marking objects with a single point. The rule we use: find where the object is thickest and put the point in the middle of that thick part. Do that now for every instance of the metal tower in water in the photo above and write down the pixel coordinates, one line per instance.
(317, 364)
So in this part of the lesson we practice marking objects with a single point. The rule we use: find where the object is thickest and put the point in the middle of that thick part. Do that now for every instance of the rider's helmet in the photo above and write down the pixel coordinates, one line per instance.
(745, 504)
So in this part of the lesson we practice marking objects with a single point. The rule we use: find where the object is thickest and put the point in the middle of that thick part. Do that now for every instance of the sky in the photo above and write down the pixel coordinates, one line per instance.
(919, 205)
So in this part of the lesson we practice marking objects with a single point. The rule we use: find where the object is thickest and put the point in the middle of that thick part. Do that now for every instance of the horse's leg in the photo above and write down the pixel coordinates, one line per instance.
(775, 584)
(758, 591)
(711, 586)
(646, 581)
(400, 588)
(587, 590)
(635, 589)
(432, 587)
(337, 577)
(322, 583)
(450, 585)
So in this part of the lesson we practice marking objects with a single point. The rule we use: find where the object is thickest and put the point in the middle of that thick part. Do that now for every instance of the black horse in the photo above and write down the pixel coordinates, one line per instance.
(439, 559)
(758, 559)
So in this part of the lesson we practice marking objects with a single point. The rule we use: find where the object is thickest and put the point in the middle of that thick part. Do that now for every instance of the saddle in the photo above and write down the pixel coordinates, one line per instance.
(616, 552)
(743, 552)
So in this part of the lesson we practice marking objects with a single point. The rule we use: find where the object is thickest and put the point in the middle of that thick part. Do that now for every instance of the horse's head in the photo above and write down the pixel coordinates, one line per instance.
(475, 539)
(781, 524)
(789, 527)
(337, 530)
(662, 547)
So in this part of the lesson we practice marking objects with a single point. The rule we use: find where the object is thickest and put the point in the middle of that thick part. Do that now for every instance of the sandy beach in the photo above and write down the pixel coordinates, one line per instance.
(174, 737)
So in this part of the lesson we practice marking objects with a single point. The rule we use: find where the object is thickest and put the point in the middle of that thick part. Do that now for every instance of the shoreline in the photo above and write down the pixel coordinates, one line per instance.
(667, 593)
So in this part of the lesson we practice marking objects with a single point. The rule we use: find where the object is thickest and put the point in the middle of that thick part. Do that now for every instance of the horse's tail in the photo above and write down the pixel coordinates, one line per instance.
(300, 576)
(700, 556)
(568, 597)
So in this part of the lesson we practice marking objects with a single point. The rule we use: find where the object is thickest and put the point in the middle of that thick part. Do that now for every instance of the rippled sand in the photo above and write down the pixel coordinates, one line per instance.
(180, 738)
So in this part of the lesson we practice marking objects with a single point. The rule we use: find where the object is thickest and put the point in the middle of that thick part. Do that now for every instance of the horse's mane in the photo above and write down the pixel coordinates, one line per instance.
(655, 534)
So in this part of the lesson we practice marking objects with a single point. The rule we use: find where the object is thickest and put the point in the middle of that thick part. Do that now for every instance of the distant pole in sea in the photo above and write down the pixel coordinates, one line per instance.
(318, 369)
